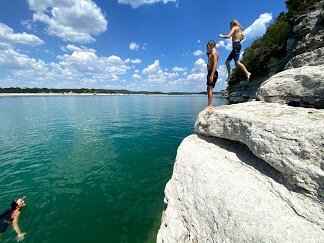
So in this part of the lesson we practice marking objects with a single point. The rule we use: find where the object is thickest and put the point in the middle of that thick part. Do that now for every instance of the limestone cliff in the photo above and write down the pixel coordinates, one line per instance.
(255, 175)
(254, 172)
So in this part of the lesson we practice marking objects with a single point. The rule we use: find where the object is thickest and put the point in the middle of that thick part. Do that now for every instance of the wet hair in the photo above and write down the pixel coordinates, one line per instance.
(236, 23)
(211, 43)
(14, 204)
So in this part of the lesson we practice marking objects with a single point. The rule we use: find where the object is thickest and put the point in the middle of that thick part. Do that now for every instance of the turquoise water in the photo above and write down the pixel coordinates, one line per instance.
(93, 168)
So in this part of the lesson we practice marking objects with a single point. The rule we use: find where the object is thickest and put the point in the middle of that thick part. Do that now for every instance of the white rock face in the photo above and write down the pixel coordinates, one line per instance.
(312, 58)
(289, 139)
(310, 30)
(304, 85)
(220, 192)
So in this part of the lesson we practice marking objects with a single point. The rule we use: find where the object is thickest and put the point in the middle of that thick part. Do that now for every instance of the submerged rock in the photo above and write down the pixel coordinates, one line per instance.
(221, 192)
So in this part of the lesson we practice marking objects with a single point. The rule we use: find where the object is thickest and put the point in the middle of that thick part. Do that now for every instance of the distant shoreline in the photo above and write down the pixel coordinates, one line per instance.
(16, 91)
(90, 94)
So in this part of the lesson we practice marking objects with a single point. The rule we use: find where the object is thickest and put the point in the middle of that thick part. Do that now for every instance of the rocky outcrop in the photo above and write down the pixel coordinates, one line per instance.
(312, 58)
(221, 192)
(255, 171)
(303, 86)
(289, 139)
(244, 91)
(308, 31)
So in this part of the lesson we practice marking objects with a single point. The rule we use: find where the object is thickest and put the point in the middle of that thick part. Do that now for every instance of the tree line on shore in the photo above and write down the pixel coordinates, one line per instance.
(13, 90)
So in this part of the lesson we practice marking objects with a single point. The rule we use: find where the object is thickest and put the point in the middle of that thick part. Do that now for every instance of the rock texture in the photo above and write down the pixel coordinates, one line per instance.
(255, 172)
(220, 192)
(289, 139)
(302, 86)
(309, 30)
(244, 91)
(312, 58)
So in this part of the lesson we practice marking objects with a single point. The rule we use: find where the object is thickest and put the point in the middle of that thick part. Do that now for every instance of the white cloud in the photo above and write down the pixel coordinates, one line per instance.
(198, 41)
(199, 66)
(144, 47)
(133, 46)
(137, 3)
(87, 62)
(5, 46)
(258, 28)
(136, 61)
(154, 74)
(8, 36)
(73, 48)
(198, 53)
(80, 68)
(196, 76)
(136, 76)
(70, 20)
(179, 69)
(12, 59)
(199, 71)
(28, 24)
(152, 68)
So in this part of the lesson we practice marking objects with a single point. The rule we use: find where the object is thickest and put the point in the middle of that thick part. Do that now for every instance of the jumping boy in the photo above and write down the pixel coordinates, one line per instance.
(212, 75)
(237, 36)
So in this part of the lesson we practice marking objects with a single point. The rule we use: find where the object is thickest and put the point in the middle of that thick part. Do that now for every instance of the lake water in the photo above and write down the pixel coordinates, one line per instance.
(93, 168)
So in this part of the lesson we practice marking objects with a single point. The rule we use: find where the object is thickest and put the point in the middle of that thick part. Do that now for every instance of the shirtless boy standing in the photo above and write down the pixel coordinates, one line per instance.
(212, 75)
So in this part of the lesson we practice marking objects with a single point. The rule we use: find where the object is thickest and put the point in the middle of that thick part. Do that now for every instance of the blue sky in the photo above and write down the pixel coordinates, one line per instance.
(155, 45)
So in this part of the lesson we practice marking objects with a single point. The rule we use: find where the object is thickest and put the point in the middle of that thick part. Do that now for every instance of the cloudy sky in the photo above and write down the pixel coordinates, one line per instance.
(155, 45)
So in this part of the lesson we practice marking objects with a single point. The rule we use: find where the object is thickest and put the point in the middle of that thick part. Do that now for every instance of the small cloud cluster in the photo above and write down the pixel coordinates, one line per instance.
(137, 3)
(136, 46)
(73, 20)
(198, 53)
(8, 37)
(78, 63)
(133, 46)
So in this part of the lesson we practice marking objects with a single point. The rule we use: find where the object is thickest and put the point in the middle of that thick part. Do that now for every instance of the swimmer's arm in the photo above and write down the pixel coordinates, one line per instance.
(15, 226)
(230, 33)
(20, 236)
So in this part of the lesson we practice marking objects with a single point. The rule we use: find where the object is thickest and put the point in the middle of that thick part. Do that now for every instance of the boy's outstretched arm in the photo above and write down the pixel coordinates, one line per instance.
(229, 35)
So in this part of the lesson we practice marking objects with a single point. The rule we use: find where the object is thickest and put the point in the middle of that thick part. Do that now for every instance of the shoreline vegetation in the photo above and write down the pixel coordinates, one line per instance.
(16, 91)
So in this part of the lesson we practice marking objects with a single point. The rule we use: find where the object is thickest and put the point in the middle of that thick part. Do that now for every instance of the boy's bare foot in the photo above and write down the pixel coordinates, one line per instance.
(209, 108)
(248, 76)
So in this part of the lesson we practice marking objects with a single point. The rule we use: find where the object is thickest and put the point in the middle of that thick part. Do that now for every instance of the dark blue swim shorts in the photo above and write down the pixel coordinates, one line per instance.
(214, 78)
(235, 53)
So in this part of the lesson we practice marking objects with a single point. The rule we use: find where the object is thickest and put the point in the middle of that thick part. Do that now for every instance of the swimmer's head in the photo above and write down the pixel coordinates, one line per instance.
(18, 203)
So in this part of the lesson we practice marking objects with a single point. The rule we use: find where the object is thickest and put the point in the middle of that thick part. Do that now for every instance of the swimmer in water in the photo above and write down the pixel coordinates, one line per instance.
(11, 215)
